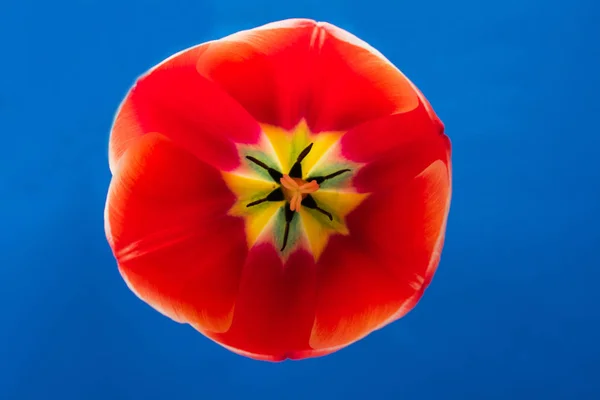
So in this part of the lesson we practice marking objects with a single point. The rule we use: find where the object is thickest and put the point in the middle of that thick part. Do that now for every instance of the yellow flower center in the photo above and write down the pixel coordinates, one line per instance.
(294, 189)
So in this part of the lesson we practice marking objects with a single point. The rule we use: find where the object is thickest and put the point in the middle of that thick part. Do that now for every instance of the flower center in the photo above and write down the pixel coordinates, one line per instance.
(294, 190)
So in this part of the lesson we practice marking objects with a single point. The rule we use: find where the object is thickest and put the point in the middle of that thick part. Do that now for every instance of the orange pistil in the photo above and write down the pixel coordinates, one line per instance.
(295, 190)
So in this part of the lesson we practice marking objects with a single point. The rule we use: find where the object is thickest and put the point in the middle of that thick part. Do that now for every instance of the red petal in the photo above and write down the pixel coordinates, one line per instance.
(353, 83)
(166, 222)
(405, 225)
(264, 69)
(380, 271)
(354, 294)
(293, 69)
(417, 133)
(275, 308)
(174, 99)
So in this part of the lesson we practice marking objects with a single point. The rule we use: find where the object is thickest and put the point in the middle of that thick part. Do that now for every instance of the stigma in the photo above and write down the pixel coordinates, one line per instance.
(296, 190)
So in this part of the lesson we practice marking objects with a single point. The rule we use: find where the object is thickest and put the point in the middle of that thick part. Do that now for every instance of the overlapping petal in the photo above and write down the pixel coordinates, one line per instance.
(300, 69)
(275, 306)
(174, 99)
(166, 222)
(379, 272)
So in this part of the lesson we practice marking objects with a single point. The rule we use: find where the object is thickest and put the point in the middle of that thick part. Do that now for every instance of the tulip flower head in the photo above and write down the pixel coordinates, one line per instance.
(284, 190)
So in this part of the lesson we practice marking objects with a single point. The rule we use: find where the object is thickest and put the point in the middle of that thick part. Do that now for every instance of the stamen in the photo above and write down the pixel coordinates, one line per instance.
(320, 179)
(276, 175)
(304, 153)
(289, 216)
(296, 170)
(257, 202)
(275, 195)
(326, 213)
(309, 202)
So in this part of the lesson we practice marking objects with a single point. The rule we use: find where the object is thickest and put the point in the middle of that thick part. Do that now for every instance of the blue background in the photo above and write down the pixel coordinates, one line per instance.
(514, 310)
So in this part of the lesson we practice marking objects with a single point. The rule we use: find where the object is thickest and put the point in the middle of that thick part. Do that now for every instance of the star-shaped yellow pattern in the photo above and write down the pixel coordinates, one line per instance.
(279, 150)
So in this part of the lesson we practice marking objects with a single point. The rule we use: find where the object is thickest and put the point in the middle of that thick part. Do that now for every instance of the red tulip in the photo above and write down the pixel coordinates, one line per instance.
(284, 190)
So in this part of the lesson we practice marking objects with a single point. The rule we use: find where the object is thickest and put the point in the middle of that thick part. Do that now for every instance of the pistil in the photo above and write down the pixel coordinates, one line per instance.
(296, 190)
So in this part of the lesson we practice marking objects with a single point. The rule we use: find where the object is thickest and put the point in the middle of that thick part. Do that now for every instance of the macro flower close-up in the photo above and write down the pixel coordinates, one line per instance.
(284, 190)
